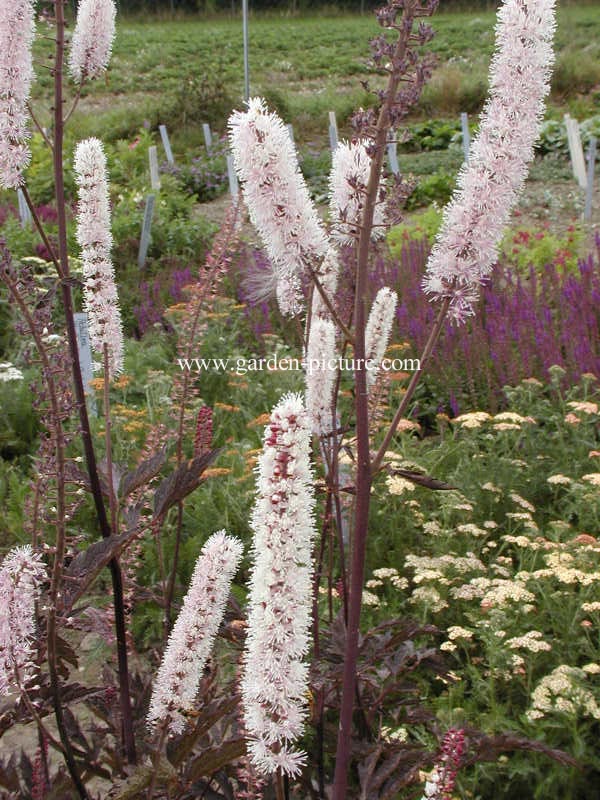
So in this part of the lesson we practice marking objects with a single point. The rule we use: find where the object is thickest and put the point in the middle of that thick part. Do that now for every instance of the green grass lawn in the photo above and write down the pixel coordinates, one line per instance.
(187, 71)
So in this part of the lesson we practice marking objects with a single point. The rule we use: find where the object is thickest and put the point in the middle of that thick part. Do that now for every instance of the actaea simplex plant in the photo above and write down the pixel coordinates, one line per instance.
(287, 557)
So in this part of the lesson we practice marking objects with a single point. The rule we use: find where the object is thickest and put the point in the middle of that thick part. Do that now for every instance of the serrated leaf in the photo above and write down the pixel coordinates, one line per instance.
(215, 758)
(65, 652)
(420, 479)
(86, 566)
(9, 777)
(182, 482)
(143, 473)
(132, 788)
(210, 715)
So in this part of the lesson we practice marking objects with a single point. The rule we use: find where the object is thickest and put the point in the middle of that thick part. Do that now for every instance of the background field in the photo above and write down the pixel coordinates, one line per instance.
(176, 71)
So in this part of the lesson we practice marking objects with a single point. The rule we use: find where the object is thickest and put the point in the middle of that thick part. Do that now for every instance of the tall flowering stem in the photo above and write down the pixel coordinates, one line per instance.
(201, 296)
(17, 28)
(193, 634)
(88, 446)
(407, 74)
(275, 676)
(12, 282)
(277, 198)
(488, 186)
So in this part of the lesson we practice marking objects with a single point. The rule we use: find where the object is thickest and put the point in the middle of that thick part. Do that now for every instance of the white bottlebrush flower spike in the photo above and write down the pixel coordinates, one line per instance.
(379, 328)
(95, 239)
(275, 674)
(488, 185)
(277, 198)
(321, 375)
(93, 38)
(21, 574)
(327, 274)
(191, 640)
(348, 180)
(17, 29)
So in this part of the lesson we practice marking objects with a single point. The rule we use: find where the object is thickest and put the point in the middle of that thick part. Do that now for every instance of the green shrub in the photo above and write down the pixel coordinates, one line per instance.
(423, 225)
(436, 188)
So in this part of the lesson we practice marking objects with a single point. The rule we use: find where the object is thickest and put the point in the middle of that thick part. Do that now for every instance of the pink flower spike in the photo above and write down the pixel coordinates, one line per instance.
(379, 329)
(277, 199)
(321, 375)
(93, 38)
(17, 29)
(275, 674)
(441, 782)
(191, 640)
(95, 239)
(347, 186)
(327, 274)
(489, 184)
(21, 574)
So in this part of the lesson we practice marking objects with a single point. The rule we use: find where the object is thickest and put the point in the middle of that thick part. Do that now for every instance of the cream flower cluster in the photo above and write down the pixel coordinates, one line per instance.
(275, 674)
(488, 185)
(277, 199)
(192, 637)
(93, 38)
(563, 691)
(21, 575)
(95, 239)
(17, 29)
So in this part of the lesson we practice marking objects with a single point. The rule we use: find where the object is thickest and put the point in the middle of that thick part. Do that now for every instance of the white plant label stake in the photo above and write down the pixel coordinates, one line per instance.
(576, 151)
(85, 360)
(333, 131)
(24, 212)
(233, 181)
(146, 228)
(466, 136)
(207, 135)
(154, 176)
(166, 143)
(392, 150)
(589, 189)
